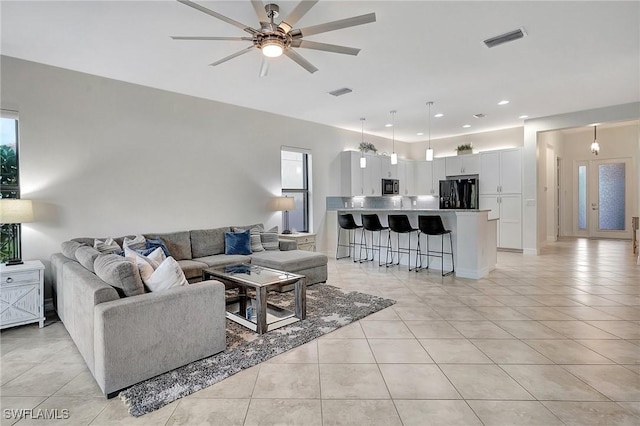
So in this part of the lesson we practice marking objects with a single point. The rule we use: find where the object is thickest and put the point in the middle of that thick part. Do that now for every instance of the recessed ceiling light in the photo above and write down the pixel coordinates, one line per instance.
(466, 126)
(388, 125)
(504, 102)
(438, 115)
(524, 116)
(419, 134)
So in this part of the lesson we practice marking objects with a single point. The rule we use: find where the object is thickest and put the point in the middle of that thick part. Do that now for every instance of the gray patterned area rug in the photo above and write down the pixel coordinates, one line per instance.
(328, 308)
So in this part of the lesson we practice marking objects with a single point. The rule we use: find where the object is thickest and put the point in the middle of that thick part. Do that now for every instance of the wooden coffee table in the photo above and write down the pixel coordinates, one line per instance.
(255, 313)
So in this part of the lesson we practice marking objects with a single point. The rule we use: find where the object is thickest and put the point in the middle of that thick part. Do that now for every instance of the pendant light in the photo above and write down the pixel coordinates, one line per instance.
(394, 156)
(363, 160)
(595, 147)
(429, 150)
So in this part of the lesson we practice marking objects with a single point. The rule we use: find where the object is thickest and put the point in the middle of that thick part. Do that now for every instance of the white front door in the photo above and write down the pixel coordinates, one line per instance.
(602, 189)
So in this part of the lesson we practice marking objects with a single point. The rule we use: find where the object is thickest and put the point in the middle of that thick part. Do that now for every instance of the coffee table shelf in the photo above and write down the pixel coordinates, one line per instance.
(264, 316)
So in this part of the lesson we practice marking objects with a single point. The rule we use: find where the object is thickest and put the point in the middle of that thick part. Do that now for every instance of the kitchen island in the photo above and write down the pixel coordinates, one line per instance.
(473, 234)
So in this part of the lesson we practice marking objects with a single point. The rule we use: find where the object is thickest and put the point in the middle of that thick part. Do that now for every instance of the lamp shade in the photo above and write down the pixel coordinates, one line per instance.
(16, 211)
(282, 204)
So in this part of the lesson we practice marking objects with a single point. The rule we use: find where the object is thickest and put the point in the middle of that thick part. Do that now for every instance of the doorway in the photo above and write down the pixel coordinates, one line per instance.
(602, 198)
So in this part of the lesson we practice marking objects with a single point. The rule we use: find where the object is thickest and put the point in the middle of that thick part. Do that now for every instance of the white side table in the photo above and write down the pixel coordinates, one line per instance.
(306, 240)
(22, 294)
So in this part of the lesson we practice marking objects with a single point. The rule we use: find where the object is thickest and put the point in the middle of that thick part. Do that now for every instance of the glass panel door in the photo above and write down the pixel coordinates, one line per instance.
(581, 199)
(609, 207)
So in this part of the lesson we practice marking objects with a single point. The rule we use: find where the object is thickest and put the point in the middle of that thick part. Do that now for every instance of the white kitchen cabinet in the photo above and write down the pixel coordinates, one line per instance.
(423, 177)
(356, 181)
(501, 172)
(406, 177)
(507, 208)
(22, 294)
(439, 173)
(462, 165)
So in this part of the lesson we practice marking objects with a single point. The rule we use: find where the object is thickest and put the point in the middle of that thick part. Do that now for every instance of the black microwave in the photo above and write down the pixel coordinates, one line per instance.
(390, 187)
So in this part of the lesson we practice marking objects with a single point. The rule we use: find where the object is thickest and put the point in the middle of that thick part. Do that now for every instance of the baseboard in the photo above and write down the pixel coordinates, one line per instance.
(531, 252)
(475, 275)
(552, 238)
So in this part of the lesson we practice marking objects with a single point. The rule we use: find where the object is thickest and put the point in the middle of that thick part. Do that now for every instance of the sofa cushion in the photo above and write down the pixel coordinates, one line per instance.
(237, 242)
(207, 242)
(120, 273)
(69, 248)
(289, 261)
(87, 256)
(223, 259)
(192, 268)
(178, 243)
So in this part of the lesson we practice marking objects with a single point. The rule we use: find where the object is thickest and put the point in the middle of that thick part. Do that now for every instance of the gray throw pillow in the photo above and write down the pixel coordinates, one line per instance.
(69, 248)
(256, 242)
(119, 272)
(269, 240)
(86, 256)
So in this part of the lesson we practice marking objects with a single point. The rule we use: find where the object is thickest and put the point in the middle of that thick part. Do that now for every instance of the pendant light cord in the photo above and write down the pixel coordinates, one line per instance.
(429, 122)
(393, 129)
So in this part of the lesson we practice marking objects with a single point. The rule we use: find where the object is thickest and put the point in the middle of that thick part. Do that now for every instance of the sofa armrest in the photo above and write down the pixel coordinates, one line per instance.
(139, 337)
(286, 245)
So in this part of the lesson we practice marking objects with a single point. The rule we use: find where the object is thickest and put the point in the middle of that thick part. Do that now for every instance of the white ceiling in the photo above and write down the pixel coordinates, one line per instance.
(577, 56)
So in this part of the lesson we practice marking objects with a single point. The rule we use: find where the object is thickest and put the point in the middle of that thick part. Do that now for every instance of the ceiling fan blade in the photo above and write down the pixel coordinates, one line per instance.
(219, 16)
(306, 44)
(241, 52)
(259, 8)
(211, 38)
(335, 25)
(300, 60)
(264, 67)
(296, 14)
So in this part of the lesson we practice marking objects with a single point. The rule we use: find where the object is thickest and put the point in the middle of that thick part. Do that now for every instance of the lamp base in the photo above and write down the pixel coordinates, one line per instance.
(286, 231)
(13, 262)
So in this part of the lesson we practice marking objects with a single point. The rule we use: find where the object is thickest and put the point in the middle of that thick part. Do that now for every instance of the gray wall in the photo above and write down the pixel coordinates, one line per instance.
(101, 157)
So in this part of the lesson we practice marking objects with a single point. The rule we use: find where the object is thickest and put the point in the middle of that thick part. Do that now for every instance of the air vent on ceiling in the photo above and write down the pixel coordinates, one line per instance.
(505, 38)
(478, 115)
(340, 92)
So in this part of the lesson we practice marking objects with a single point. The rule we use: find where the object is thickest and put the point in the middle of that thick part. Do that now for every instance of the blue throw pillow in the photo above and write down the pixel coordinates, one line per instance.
(237, 242)
(153, 244)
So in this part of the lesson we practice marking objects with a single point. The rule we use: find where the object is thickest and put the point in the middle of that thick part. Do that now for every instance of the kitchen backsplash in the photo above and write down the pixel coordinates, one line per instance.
(387, 202)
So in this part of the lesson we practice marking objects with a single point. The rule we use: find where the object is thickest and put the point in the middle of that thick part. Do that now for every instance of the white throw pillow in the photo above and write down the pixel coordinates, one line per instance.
(146, 264)
(167, 275)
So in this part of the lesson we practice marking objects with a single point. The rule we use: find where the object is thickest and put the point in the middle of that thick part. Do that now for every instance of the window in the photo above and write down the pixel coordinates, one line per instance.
(9, 178)
(295, 171)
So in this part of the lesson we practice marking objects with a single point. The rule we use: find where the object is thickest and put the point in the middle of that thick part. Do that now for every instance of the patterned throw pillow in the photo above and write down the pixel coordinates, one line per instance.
(107, 246)
(270, 240)
(256, 243)
(155, 243)
(137, 243)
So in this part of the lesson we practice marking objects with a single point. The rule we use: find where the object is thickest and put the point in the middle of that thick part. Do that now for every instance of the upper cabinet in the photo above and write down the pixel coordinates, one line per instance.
(501, 172)
(462, 165)
(357, 181)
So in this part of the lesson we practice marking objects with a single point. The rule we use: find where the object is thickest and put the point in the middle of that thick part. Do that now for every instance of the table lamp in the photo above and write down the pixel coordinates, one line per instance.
(13, 212)
(284, 204)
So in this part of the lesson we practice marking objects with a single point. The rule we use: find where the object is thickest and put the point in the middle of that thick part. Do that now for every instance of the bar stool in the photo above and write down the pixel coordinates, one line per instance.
(346, 222)
(432, 225)
(371, 223)
(399, 223)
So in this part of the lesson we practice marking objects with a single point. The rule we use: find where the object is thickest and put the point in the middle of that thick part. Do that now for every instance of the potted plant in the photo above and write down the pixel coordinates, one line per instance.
(367, 146)
(464, 149)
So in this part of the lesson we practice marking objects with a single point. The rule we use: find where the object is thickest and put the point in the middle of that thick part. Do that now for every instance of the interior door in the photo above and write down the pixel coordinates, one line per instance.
(609, 198)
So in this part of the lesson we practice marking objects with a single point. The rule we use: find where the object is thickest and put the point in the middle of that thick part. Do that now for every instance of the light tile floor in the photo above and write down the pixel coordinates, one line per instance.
(544, 340)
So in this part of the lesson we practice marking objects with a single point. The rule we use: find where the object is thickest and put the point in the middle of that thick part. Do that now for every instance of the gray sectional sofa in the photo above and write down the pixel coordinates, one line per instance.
(125, 340)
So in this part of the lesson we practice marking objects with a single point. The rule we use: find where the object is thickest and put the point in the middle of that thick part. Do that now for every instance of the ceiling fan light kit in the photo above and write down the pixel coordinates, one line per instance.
(277, 39)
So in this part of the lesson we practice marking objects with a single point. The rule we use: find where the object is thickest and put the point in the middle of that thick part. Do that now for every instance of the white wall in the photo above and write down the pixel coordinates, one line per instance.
(549, 149)
(101, 157)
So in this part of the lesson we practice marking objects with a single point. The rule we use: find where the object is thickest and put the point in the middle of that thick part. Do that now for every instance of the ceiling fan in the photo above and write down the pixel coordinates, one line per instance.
(277, 39)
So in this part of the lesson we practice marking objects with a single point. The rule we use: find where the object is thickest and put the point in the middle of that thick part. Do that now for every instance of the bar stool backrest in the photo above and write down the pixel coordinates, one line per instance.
(346, 221)
(371, 222)
(399, 223)
(431, 225)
